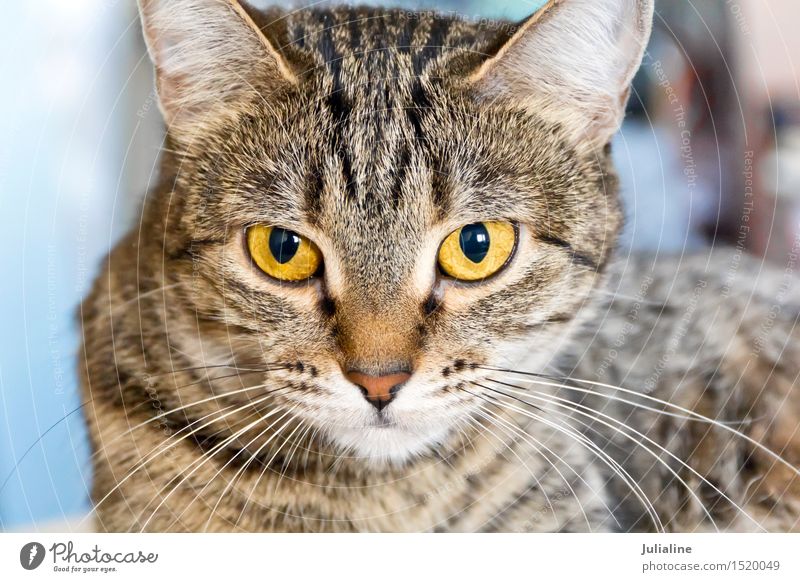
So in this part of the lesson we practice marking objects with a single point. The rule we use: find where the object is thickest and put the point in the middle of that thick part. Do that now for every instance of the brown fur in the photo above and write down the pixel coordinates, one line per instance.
(218, 396)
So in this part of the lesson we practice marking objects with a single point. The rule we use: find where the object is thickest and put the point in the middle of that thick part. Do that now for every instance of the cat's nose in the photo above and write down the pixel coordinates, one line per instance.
(378, 390)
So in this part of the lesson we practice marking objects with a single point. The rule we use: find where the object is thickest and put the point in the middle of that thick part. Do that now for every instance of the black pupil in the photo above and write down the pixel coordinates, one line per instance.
(475, 242)
(283, 244)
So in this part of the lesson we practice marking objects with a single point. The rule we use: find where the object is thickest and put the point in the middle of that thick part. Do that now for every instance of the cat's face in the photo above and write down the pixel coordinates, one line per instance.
(322, 194)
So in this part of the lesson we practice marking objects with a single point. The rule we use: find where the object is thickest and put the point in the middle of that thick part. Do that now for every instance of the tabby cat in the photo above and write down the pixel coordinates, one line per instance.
(375, 290)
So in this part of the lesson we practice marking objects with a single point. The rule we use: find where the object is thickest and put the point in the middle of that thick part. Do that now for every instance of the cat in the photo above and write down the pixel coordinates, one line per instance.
(376, 289)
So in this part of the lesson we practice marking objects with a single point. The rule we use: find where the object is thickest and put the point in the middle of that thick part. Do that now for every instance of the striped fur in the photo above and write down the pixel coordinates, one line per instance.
(218, 400)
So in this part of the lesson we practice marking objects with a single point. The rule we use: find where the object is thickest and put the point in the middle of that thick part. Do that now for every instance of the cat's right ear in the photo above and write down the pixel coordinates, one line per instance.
(572, 63)
(210, 56)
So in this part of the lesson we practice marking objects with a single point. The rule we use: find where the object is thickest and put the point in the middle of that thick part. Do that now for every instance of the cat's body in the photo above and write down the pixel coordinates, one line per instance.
(643, 338)
(219, 399)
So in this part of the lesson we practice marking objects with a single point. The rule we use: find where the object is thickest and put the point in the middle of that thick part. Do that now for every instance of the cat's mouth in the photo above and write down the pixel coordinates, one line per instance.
(382, 421)
(389, 435)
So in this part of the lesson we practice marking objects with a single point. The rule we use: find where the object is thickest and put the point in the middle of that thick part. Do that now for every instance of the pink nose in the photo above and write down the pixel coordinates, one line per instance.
(378, 390)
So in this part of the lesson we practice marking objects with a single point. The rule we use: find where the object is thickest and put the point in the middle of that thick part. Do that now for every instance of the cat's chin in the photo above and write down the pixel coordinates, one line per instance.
(385, 444)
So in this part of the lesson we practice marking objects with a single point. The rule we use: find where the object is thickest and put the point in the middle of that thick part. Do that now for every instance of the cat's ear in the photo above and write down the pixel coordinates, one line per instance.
(209, 56)
(573, 61)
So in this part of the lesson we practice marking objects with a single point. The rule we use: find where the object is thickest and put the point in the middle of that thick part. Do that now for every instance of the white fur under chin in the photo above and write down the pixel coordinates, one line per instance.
(382, 445)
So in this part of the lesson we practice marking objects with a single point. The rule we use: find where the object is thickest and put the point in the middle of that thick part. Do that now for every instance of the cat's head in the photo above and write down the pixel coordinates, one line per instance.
(386, 205)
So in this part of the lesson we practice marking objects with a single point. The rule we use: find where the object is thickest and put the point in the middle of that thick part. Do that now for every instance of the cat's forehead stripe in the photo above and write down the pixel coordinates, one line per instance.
(372, 65)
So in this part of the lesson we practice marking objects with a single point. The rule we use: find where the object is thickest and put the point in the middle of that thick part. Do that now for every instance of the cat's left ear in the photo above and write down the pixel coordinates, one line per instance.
(573, 62)
(210, 58)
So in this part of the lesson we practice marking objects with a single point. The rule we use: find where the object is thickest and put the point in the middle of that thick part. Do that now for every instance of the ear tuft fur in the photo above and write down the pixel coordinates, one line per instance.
(209, 55)
(573, 62)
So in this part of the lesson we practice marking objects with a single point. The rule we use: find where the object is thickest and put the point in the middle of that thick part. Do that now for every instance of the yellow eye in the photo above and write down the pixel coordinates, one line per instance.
(283, 254)
(477, 251)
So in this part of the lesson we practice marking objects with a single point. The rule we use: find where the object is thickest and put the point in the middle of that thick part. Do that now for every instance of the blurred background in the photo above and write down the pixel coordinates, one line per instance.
(709, 155)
